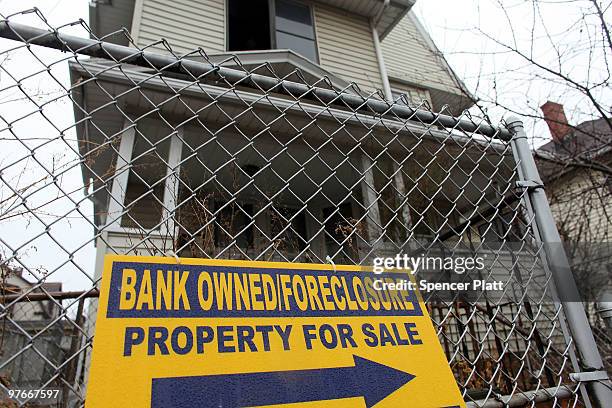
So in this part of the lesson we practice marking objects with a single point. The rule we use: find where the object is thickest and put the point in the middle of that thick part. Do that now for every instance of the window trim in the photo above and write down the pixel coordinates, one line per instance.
(272, 21)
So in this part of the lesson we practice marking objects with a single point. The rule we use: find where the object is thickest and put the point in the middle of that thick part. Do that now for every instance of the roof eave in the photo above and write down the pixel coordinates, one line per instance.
(405, 6)
(262, 57)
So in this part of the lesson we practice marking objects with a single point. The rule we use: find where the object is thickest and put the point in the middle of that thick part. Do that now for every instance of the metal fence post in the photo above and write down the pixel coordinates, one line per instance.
(594, 375)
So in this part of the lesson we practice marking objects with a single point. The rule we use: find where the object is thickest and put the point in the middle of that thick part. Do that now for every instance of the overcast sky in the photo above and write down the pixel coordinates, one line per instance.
(561, 30)
(451, 24)
(70, 233)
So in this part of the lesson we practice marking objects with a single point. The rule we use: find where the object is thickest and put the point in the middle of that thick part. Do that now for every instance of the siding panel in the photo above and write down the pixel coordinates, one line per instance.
(185, 24)
(408, 56)
(415, 95)
(116, 16)
(346, 47)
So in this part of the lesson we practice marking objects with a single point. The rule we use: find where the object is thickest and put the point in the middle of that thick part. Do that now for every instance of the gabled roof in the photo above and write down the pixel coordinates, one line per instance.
(589, 140)
(412, 58)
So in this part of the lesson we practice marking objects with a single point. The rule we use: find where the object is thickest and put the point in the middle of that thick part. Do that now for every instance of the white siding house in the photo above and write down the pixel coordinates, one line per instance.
(185, 24)
(204, 171)
(345, 44)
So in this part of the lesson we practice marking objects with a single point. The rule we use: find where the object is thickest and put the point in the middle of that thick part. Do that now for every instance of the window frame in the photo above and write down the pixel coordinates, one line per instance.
(272, 21)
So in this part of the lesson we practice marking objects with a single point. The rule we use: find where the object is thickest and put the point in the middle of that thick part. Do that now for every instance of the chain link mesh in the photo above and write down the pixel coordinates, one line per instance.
(109, 153)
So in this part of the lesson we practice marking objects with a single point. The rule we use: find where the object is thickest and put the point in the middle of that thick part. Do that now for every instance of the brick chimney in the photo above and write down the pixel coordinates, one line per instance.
(554, 115)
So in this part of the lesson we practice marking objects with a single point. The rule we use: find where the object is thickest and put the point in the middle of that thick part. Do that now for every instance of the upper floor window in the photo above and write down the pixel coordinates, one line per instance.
(248, 25)
(294, 30)
(251, 26)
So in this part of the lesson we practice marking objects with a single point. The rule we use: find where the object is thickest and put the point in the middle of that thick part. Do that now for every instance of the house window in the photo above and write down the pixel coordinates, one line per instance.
(397, 97)
(290, 236)
(294, 30)
(234, 226)
(412, 97)
(251, 26)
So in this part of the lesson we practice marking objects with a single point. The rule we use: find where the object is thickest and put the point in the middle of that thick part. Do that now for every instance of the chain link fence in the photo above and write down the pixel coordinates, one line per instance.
(117, 150)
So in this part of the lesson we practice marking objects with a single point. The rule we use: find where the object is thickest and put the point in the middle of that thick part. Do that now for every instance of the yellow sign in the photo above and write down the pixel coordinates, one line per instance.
(217, 333)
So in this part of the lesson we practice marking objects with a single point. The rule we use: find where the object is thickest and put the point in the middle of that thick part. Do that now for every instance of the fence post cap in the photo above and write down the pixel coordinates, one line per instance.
(513, 123)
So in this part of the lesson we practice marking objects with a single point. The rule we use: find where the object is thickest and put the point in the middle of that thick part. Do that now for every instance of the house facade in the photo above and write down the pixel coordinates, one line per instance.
(376, 44)
(580, 197)
(193, 165)
(359, 47)
(38, 327)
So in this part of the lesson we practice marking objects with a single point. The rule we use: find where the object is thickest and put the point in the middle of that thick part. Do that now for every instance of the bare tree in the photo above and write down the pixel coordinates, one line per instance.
(536, 58)
(521, 54)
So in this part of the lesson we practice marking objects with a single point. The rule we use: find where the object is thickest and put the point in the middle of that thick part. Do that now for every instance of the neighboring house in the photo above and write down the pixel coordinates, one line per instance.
(580, 197)
(14, 283)
(38, 319)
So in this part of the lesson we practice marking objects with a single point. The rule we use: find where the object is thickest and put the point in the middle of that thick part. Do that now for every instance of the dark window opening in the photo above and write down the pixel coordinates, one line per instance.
(143, 205)
(249, 25)
(290, 235)
(234, 226)
(401, 97)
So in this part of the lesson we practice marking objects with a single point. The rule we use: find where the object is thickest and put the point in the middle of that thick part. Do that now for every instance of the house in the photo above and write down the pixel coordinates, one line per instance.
(365, 43)
(14, 283)
(189, 165)
(580, 196)
(31, 329)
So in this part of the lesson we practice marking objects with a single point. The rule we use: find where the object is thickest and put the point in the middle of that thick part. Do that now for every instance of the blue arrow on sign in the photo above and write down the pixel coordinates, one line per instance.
(367, 379)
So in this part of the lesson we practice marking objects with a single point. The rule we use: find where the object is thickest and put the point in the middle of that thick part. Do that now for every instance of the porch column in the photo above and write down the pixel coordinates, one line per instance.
(111, 221)
(370, 200)
(403, 207)
(116, 203)
(171, 186)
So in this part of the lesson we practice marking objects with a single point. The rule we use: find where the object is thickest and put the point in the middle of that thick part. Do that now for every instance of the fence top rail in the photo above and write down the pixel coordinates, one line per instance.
(180, 65)
(89, 69)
